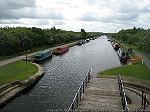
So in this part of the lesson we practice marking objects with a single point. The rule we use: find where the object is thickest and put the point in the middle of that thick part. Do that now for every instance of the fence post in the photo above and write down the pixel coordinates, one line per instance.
(142, 97)
(83, 87)
(144, 101)
(122, 94)
(72, 109)
(80, 92)
(77, 100)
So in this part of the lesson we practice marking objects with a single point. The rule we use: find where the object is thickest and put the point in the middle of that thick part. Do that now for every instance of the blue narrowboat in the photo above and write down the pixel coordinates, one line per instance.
(42, 55)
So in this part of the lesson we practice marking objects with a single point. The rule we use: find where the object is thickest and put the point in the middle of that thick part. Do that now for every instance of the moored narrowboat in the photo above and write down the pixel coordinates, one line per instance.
(116, 47)
(42, 56)
(81, 42)
(87, 40)
(61, 50)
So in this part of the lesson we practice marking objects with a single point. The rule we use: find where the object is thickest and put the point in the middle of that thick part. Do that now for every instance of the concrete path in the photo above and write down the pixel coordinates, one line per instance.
(101, 94)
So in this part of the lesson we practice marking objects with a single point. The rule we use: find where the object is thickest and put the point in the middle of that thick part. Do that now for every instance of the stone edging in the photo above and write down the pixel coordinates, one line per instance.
(11, 90)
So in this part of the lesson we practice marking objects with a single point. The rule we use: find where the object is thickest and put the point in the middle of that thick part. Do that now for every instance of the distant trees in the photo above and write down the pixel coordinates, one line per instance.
(19, 39)
(135, 36)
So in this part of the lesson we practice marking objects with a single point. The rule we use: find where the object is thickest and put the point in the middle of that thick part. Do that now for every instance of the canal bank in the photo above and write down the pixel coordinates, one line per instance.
(64, 75)
(11, 60)
(11, 90)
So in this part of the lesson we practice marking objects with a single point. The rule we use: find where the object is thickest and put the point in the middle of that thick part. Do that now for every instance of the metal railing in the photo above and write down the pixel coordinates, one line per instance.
(122, 94)
(80, 92)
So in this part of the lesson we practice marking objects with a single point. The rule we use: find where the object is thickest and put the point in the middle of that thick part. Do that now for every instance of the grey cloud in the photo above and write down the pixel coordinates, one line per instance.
(13, 21)
(17, 9)
(88, 17)
(17, 14)
(126, 16)
(57, 22)
(16, 4)
(146, 9)
(27, 12)
(94, 17)
(28, 22)
(126, 6)
(38, 21)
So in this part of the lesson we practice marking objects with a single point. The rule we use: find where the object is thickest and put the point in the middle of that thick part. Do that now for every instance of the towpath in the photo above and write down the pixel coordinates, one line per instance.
(146, 56)
(11, 60)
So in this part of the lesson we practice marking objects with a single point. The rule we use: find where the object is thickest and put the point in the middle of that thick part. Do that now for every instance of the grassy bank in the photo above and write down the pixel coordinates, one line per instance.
(139, 71)
(19, 70)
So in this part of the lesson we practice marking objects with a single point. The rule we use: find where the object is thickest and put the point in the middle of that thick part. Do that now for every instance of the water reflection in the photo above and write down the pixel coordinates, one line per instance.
(63, 76)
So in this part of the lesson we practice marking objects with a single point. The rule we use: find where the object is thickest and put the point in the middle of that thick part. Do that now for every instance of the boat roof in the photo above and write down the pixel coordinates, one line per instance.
(42, 52)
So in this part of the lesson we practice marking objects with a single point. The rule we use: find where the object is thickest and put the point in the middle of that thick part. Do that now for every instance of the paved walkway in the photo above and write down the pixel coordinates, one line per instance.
(101, 94)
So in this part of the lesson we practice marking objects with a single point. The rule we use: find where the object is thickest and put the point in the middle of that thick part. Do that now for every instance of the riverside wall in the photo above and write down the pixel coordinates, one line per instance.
(11, 90)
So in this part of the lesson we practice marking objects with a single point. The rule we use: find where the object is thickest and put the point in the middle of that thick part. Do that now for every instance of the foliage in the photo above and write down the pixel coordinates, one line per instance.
(139, 71)
(135, 37)
(19, 70)
(83, 33)
(19, 39)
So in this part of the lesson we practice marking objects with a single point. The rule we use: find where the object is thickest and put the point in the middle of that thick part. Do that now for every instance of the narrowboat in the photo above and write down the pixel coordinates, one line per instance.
(61, 50)
(124, 56)
(81, 42)
(116, 47)
(42, 56)
(87, 40)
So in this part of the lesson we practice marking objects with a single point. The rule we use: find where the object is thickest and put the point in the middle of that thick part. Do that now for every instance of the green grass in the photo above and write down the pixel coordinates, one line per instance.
(139, 71)
(19, 70)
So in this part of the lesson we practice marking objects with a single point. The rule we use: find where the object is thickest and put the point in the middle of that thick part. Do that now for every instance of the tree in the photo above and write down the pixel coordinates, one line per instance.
(83, 34)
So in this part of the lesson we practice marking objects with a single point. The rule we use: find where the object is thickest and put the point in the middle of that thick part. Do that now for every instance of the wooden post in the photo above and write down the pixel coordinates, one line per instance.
(83, 87)
(26, 57)
(77, 99)
(142, 97)
(80, 93)
(142, 61)
(28, 51)
(144, 101)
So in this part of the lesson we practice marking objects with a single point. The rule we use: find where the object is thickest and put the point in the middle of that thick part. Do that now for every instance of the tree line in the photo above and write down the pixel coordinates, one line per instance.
(19, 39)
(138, 37)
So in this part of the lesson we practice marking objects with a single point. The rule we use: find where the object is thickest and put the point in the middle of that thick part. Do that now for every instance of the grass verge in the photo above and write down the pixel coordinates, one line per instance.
(19, 70)
(139, 71)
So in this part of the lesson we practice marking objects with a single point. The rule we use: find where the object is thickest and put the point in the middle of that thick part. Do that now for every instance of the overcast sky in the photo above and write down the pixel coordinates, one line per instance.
(92, 15)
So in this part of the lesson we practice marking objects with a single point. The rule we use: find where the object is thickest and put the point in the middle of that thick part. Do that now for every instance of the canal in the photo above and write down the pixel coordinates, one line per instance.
(63, 75)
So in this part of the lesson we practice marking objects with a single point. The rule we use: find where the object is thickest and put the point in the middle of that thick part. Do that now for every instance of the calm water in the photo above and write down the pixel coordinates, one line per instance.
(63, 76)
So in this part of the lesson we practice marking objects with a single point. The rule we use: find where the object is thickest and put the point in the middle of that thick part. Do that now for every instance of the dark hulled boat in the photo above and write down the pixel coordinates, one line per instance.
(81, 42)
(116, 47)
(42, 56)
(61, 50)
